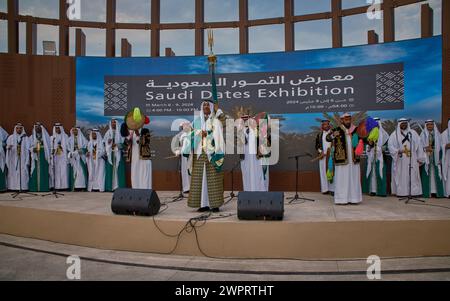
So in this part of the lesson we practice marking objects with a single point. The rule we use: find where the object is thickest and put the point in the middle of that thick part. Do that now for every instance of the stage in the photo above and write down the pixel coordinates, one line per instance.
(310, 230)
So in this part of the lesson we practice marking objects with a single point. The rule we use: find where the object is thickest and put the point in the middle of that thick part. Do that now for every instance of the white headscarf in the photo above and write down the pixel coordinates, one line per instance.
(212, 125)
(384, 136)
(382, 139)
(33, 142)
(446, 157)
(425, 136)
(45, 140)
(98, 142)
(56, 138)
(3, 137)
(14, 140)
(202, 114)
(112, 134)
(398, 132)
(81, 140)
(448, 130)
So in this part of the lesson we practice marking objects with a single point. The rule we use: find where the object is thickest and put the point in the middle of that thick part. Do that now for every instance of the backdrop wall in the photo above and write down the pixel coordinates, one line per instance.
(48, 89)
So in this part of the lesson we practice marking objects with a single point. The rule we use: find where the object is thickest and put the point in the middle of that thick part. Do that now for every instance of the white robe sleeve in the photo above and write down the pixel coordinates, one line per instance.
(393, 147)
(421, 156)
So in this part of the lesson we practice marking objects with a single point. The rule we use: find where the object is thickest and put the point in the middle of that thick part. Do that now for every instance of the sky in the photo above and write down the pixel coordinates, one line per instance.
(422, 60)
(309, 35)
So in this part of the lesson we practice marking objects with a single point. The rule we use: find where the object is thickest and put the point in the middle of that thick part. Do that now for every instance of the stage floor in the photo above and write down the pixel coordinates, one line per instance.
(322, 210)
(310, 230)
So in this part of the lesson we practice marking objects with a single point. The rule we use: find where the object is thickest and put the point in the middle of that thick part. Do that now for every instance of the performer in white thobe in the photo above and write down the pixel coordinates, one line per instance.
(323, 148)
(95, 157)
(180, 140)
(40, 151)
(77, 159)
(115, 165)
(206, 152)
(446, 159)
(18, 159)
(375, 159)
(3, 137)
(141, 163)
(59, 172)
(405, 147)
(431, 171)
(252, 168)
(347, 177)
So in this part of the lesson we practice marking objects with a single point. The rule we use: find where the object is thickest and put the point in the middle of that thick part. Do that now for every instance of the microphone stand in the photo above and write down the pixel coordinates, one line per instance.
(410, 198)
(54, 192)
(232, 194)
(181, 196)
(297, 196)
(17, 194)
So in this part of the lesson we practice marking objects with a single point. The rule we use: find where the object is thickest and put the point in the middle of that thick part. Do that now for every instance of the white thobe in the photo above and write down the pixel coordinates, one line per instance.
(114, 156)
(348, 179)
(252, 168)
(325, 185)
(446, 161)
(75, 162)
(181, 141)
(59, 172)
(435, 157)
(185, 176)
(96, 169)
(3, 137)
(402, 163)
(204, 202)
(141, 170)
(18, 175)
(371, 166)
(393, 183)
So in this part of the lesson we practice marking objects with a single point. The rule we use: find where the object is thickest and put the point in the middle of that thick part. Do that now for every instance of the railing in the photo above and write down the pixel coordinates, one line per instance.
(199, 25)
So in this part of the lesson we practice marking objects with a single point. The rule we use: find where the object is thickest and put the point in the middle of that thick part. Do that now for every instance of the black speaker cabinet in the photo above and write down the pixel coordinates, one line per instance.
(142, 202)
(261, 205)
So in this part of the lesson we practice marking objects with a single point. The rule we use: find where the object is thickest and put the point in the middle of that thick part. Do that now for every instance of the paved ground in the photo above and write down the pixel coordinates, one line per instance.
(28, 259)
(373, 208)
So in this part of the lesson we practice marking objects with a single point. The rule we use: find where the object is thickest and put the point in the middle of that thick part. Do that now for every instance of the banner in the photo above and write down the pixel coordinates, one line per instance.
(372, 87)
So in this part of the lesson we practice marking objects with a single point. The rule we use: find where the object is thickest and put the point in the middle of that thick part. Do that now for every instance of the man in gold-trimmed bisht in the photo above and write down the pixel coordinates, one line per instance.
(40, 151)
(205, 150)
(347, 176)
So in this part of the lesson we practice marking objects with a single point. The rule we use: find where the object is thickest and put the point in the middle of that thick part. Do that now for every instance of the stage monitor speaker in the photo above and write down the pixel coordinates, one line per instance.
(141, 202)
(261, 205)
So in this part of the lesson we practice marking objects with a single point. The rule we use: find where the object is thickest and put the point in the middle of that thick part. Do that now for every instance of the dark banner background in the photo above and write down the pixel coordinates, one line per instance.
(369, 88)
